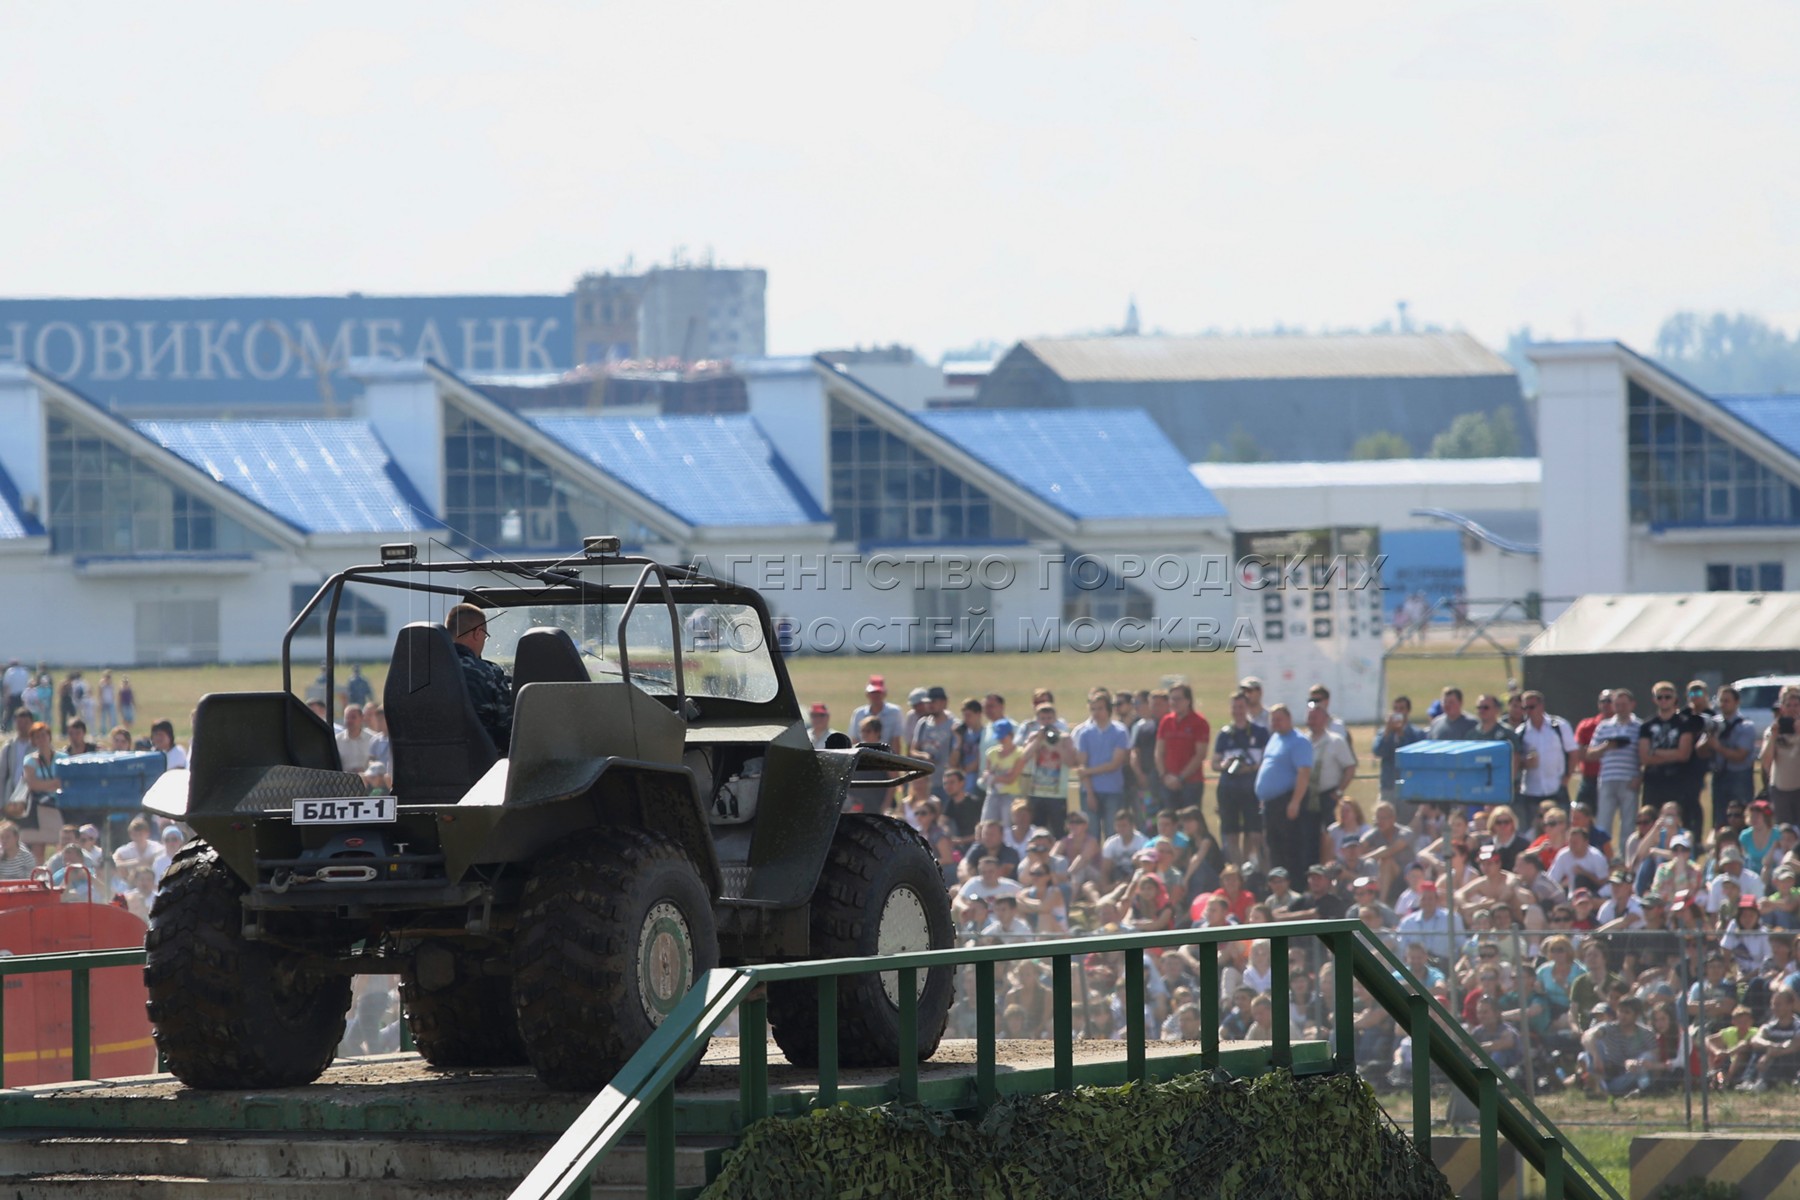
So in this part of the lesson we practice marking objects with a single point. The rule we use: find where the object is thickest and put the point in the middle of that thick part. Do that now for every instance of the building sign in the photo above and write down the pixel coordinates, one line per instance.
(1315, 596)
(238, 353)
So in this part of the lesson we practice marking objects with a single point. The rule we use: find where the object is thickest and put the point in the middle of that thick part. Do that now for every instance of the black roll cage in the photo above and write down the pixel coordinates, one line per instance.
(555, 572)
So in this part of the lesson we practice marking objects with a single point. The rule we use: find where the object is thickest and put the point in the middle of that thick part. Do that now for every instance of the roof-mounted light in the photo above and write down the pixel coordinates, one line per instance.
(599, 547)
(399, 552)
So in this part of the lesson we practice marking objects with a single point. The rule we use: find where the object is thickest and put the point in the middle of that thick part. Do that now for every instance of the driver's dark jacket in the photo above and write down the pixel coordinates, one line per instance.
(491, 692)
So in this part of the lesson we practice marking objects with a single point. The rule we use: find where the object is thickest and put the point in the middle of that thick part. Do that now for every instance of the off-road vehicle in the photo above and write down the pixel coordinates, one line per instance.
(661, 810)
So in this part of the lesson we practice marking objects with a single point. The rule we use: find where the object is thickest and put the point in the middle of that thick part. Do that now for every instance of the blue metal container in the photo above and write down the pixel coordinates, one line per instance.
(1456, 772)
(107, 782)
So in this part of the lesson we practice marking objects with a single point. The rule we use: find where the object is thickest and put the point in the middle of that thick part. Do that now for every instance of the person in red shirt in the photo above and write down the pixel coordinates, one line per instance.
(1589, 793)
(1233, 892)
(1182, 740)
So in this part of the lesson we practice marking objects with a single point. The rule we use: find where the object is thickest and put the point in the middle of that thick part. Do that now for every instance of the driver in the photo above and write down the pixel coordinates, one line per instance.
(490, 691)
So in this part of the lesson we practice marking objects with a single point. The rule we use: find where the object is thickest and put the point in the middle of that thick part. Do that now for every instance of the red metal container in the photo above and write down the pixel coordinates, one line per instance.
(39, 1045)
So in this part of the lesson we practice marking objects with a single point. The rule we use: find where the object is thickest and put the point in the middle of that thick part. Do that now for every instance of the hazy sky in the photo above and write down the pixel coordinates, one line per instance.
(931, 174)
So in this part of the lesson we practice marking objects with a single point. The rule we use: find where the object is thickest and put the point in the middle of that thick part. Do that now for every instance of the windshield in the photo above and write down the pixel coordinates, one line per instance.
(723, 652)
(1759, 695)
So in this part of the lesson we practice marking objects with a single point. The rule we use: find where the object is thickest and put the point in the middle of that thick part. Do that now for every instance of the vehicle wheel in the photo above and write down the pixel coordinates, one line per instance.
(880, 893)
(460, 1016)
(612, 933)
(231, 1013)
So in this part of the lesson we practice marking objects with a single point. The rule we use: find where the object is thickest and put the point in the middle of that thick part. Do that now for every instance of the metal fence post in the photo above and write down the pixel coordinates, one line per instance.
(1134, 1015)
(753, 1060)
(1281, 1048)
(828, 1039)
(1343, 980)
(82, 1045)
(1209, 1004)
(1062, 1000)
(909, 1033)
(984, 1035)
(1489, 1089)
(659, 1165)
(1419, 1024)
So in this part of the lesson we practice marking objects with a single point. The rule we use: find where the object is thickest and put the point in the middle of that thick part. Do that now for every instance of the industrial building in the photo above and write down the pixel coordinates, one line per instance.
(195, 540)
(1291, 398)
(1651, 485)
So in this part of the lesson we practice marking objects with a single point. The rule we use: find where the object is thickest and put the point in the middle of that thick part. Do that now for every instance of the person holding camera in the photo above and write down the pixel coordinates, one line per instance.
(1237, 753)
(1781, 757)
(1049, 757)
(1396, 732)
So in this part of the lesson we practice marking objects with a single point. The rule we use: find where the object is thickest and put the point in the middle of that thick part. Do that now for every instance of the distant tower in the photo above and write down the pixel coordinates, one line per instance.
(1131, 318)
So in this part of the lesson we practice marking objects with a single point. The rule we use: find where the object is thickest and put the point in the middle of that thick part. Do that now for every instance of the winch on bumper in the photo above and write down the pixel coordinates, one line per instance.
(411, 875)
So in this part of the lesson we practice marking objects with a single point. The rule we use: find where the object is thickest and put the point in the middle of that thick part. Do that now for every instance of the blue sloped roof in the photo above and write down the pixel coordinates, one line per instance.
(1775, 417)
(318, 476)
(707, 470)
(1091, 463)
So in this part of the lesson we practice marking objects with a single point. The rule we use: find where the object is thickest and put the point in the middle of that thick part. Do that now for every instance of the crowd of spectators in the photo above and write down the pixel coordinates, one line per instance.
(1626, 923)
(1603, 931)
(49, 725)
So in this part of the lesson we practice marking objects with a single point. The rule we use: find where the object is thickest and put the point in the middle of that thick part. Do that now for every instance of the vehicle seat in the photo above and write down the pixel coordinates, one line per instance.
(547, 654)
(438, 744)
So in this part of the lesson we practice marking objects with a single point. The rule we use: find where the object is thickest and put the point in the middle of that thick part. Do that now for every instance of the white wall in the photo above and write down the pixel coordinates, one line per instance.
(1586, 544)
(402, 403)
(790, 409)
(1677, 561)
(909, 385)
(1488, 572)
(1385, 505)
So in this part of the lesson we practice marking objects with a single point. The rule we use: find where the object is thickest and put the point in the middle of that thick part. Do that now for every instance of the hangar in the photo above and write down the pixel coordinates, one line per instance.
(1635, 640)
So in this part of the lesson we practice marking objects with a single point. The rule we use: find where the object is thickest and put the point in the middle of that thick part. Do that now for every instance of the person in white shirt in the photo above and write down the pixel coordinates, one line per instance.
(162, 736)
(1550, 752)
(987, 886)
(1437, 927)
(172, 840)
(1252, 688)
(13, 683)
(1578, 864)
(1119, 849)
(355, 742)
(819, 725)
(1622, 909)
(893, 721)
(1731, 870)
(1007, 923)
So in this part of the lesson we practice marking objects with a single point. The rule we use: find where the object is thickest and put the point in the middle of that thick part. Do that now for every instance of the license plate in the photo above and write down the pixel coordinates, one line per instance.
(360, 811)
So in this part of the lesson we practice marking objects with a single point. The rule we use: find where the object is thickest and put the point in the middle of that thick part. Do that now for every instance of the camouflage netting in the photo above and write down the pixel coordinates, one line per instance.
(1275, 1137)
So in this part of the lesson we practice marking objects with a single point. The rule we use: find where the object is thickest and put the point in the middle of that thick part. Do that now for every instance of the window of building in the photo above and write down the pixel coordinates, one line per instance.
(1746, 577)
(1112, 600)
(1683, 474)
(886, 492)
(357, 616)
(498, 495)
(105, 500)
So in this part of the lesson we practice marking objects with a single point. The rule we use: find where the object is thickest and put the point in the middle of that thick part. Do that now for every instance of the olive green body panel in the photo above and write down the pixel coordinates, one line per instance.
(252, 752)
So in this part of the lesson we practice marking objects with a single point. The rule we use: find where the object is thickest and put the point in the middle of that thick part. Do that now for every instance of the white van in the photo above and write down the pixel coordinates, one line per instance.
(1757, 696)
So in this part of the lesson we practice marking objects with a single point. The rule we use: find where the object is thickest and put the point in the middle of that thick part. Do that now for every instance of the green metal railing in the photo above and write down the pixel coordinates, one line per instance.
(79, 964)
(643, 1092)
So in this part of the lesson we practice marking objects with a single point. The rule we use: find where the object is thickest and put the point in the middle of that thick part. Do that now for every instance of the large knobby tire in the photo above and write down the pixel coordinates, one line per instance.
(460, 1015)
(231, 1013)
(612, 933)
(881, 892)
